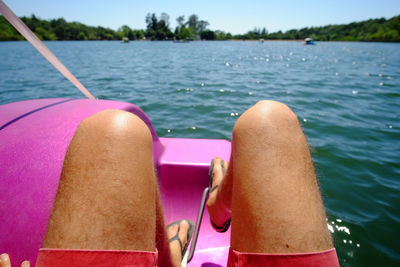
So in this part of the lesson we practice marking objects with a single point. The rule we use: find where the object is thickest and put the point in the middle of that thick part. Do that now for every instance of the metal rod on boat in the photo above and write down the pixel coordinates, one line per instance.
(198, 223)
(41, 47)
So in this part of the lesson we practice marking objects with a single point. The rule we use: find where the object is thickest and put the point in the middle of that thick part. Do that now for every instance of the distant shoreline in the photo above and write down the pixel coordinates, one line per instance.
(372, 30)
(230, 40)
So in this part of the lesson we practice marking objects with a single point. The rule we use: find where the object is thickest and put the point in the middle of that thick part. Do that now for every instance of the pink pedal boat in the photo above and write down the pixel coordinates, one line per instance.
(34, 137)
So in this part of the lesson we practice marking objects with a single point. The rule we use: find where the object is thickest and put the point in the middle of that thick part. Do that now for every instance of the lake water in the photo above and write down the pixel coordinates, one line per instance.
(346, 95)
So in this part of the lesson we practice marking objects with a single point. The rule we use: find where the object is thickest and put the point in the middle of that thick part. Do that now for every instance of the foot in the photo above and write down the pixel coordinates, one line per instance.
(175, 246)
(218, 204)
(5, 261)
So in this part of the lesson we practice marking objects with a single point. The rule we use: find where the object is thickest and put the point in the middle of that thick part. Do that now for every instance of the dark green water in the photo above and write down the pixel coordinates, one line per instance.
(346, 95)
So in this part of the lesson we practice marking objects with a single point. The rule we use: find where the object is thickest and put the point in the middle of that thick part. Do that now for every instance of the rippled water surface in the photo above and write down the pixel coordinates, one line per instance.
(346, 95)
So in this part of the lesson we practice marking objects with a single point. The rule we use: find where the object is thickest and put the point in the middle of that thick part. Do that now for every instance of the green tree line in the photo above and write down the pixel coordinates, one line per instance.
(57, 29)
(380, 30)
(193, 28)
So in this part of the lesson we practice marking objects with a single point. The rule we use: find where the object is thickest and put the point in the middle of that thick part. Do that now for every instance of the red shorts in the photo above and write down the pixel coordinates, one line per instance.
(326, 258)
(70, 257)
(106, 258)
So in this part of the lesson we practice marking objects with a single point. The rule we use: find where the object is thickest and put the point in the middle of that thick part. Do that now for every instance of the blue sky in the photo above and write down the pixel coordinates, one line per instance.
(231, 16)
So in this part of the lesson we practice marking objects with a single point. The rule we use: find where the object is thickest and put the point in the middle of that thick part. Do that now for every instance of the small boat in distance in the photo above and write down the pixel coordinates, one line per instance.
(308, 41)
(125, 40)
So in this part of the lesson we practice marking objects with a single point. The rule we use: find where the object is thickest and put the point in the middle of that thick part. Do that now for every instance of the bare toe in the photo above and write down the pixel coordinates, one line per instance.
(5, 260)
(174, 245)
(172, 230)
(183, 232)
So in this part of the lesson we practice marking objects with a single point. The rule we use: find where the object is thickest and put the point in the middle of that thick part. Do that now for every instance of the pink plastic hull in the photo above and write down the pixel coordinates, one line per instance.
(34, 137)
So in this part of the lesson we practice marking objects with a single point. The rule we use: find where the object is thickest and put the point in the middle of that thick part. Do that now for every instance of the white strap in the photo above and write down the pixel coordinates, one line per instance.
(41, 47)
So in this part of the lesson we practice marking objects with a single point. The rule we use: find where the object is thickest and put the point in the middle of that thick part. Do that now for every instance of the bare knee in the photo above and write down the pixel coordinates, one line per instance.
(110, 136)
(106, 195)
(266, 117)
(116, 125)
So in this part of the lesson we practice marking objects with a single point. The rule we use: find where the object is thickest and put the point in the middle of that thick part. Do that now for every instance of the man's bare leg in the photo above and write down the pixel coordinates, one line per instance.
(275, 200)
(108, 194)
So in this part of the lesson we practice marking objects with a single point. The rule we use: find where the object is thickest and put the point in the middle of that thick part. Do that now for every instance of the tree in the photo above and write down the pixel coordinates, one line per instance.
(81, 36)
(126, 32)
(202, 25)
(220, 35)
(207, 35)
(191, 27)
(138, 34)
(196, 24)
(264, 31)
(187, 33)
(7, 32)
(151, 21)
(165, 17)
(158, 28)
(180, 20)
(60, 26)
(193, 21)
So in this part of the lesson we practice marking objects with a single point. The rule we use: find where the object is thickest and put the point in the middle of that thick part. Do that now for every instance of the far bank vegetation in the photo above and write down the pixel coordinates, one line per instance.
(193, 28)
